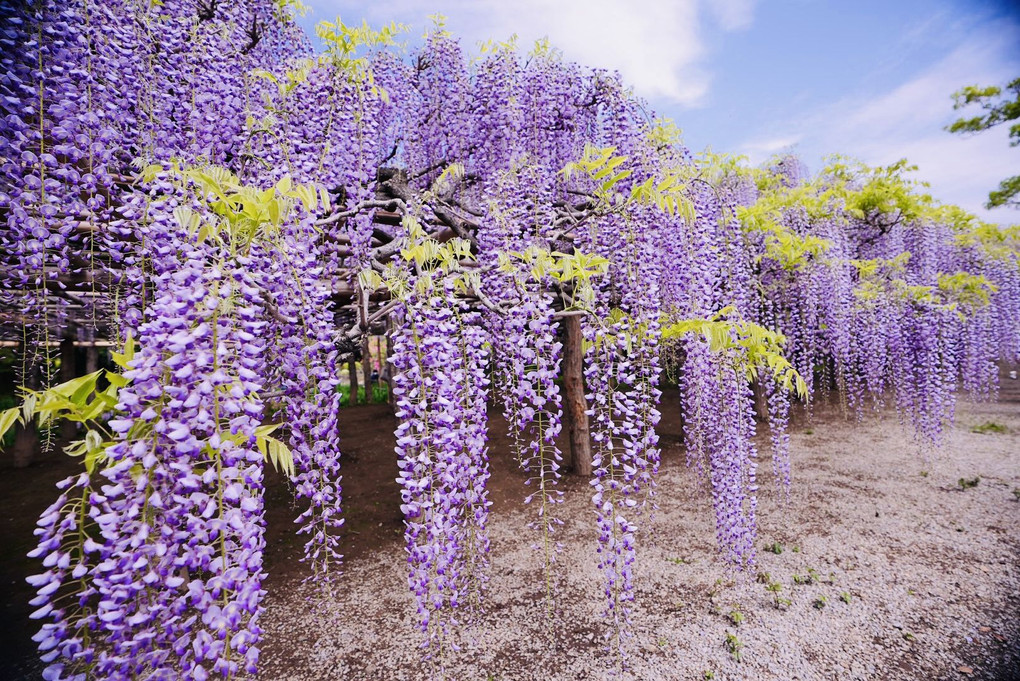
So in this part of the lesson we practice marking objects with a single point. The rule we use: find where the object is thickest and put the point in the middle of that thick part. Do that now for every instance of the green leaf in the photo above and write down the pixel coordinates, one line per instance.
(8, 418)
(95, 457)
(274, 451)
(123, 359)
(262, 73)
(28, 407)
(77, 387)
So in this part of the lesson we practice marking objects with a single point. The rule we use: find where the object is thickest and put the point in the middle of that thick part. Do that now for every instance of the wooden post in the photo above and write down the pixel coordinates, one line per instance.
(91, 359)
(387, 371)
(68, 372)
(352, 373)
(576, 405)
(26, 444)
(366, 366)
(761, 399)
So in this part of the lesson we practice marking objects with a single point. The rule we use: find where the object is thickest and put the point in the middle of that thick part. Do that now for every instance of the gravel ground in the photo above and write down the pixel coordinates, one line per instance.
(910, 576)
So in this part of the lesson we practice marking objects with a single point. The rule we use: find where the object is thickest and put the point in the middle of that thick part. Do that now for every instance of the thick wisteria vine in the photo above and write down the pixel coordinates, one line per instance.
(235, 213)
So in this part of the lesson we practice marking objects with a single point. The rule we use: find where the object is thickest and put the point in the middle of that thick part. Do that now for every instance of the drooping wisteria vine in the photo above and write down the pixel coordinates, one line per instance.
(234, 212)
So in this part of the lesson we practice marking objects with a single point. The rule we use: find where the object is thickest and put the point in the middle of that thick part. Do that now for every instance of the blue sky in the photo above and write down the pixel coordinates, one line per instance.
(868, 78)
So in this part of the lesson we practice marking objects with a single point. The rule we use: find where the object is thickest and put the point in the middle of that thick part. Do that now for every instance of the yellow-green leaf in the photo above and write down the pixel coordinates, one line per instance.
(8, 418)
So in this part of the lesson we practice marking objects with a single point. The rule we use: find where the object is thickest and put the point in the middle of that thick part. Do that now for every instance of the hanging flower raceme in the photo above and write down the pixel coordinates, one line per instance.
(440, 357)
(307, 370)
(174, 535)
(721, 356)
(622, 361)
(927, 356)
(167, 580)
(621, 374)
(40, 186)
(439, 360)
(64, 592)
(192, 517)
(615, 472)
(519, 277)
(525, 373)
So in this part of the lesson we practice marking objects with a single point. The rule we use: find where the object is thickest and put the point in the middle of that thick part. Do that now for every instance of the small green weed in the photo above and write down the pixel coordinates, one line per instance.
(811, 577)
(719, 585)
(736, 617)
(845, 597)
(967, 483)
(773, 587)
(990, 427)
(380, 394)
(820, 602)
(734, 645)
(775, 548)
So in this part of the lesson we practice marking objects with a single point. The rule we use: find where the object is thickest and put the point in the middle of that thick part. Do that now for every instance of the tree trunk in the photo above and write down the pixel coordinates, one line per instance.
(387, 371)
(366, 366)
(91, 359)
(352, 373)
(761, 399)
(68, 372)
(26, 444)
(576, 406)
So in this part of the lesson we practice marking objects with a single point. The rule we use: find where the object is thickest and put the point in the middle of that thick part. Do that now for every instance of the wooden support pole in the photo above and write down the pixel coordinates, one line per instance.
(387, 371)
(26, 444)
(761, 400)
(91, 359)
(576, 405)
(366, 366)
(68, 372)
(352, 373)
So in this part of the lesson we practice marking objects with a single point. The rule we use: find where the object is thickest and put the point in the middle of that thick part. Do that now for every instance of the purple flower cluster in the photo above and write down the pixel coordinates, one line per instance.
(44, 131)
(439, 359)
(306, 368)
(526, 369)
(65, 598)
(718, 433)
(525, 373)
(171, 583)
(622, 375)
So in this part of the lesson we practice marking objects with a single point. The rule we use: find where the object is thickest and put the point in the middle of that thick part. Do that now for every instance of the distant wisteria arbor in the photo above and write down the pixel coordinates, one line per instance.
(234, 213)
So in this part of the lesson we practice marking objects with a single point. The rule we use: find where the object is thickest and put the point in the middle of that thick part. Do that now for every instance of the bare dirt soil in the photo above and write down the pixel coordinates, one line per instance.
(891, 568)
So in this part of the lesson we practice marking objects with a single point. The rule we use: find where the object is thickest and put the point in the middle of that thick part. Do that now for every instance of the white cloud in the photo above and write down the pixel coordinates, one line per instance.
(733, 15)
(656, 49)
(909, 121)
(657, 45)
(761, 150)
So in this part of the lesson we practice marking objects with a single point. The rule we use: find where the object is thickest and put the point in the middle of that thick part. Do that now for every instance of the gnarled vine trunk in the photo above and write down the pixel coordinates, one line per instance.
(576, 406)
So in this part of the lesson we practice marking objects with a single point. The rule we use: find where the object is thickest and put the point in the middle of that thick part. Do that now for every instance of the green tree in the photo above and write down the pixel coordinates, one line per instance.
(999, 108)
